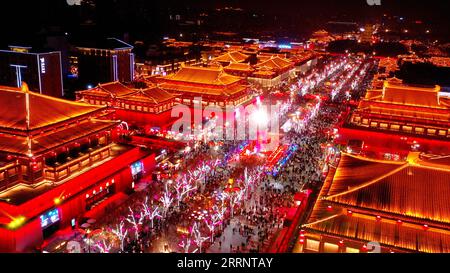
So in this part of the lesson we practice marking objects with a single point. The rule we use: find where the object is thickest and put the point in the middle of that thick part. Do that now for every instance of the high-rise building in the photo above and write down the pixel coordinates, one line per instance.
(41, 71)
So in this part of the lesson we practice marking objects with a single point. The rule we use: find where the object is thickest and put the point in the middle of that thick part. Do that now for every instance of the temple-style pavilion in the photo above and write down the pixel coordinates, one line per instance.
(146, 106)
(58, 161)
(212, 84)
(402, 206)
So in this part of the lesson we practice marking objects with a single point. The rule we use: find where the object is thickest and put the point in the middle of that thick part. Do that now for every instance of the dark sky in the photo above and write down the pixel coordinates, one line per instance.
(20, 17)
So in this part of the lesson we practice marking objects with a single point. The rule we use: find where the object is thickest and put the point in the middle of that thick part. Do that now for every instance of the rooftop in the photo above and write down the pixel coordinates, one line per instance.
(15, 115)
(415, 191)
(203, 75)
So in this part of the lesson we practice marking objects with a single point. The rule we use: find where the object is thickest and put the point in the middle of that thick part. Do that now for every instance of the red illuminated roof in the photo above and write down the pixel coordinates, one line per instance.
(232, 57)
(154, 95)
(202, 75)
(274, 63)
(43, 110)
(415, 192)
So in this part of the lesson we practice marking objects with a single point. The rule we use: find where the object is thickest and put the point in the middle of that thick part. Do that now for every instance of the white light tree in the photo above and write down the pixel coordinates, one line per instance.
(185, 244)
(121, 233)
(198, 238)
(150, 212)
(135, 222)
(212, 222)
(103, 246)
(234, 199)
(182, 187)
(247, 180)
(166, 200)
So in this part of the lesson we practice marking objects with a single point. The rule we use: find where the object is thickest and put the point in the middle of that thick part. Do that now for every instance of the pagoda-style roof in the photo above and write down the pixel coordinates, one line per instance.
(276, 63)
(239, 67)
(202, 75)
(110, 89)
(26, 146)
(153, 95)
(415, 191)
(397, 101)
(42, 111)
(399, 93)
(231, 57)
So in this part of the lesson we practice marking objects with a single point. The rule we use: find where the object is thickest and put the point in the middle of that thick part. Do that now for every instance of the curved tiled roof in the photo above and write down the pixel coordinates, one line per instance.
(43, 110)
(203, 75)
(232, 57)
(153, 95)
(415, 191)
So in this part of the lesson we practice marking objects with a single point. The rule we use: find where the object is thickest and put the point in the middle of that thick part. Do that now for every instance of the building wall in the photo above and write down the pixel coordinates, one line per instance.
(31, 234)
(42, 72)
(101, 66)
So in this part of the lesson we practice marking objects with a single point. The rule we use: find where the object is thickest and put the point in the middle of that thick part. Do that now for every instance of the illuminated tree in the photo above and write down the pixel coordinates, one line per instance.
(103, 246)
(135, 222)
(150, 212)
(185, 244)
(182, 187)
(121, 234)
(214, 220)
(166, 200)
(198, 238)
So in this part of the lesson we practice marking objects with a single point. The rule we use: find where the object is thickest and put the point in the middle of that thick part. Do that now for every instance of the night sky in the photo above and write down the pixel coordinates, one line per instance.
(23, 19)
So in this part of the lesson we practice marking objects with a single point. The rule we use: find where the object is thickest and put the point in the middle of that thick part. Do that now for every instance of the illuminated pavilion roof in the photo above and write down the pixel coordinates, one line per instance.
(239, 67)
(152, 94)
(232, 57)
(398, 103)
(43, 110)
(276, 63)
(415, 192)
(203, 75)
(52, 122)
(395, 92)
(203, 81)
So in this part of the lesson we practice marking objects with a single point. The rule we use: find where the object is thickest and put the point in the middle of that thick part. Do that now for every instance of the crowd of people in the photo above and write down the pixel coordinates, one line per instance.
(257, 218)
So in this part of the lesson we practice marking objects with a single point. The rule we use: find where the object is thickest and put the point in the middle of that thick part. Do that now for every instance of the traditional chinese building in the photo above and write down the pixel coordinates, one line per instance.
(212, 84)
(149, 106)
(400, 206)
(231, 57)
(272, 71)
(239, 69)
(405, 109)
(56, 167)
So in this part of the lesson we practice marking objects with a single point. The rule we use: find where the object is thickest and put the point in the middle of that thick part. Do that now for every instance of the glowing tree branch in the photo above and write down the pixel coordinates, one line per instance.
(135, 222)
(182, 187)
(214, 221)
(121, 234)
(150, 212)
(103, 246)
(198, 238)
(166, 200)
(185, 244)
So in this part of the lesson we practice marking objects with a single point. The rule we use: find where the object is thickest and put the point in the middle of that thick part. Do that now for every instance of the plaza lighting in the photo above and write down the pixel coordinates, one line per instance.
(260, 117)
(16, 222)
